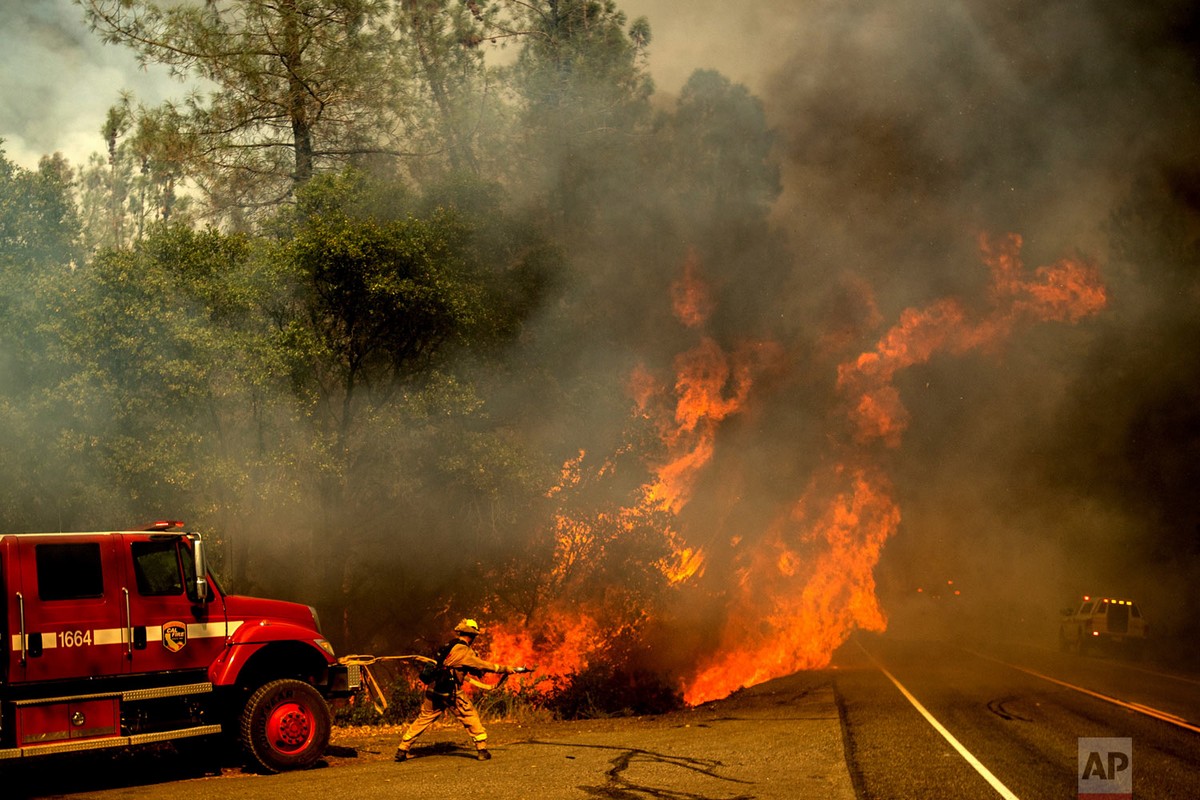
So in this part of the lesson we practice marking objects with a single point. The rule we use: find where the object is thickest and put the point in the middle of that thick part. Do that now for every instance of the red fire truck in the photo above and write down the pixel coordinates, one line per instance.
(123, 638)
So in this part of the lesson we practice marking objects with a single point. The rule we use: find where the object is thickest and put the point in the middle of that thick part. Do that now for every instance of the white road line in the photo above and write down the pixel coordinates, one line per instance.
(1149, 711)
(1000, 788)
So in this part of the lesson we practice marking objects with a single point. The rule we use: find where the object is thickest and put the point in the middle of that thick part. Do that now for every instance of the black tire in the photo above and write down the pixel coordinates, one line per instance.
(285, 725)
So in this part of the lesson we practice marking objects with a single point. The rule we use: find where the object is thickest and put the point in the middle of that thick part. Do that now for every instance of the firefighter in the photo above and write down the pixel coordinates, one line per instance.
(461, 660)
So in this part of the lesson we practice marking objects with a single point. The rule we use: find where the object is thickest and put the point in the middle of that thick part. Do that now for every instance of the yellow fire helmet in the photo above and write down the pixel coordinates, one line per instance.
(468, 626)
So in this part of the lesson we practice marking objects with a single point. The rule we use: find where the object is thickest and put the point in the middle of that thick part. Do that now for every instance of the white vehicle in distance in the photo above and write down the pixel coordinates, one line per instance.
(1102, 621)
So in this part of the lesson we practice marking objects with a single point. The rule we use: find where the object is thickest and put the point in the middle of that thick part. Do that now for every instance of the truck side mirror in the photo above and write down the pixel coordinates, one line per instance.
(200, 593)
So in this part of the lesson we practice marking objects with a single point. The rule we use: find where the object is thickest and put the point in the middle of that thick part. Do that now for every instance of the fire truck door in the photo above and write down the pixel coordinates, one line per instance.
(4, 627)
(171, 631)
(71, 608)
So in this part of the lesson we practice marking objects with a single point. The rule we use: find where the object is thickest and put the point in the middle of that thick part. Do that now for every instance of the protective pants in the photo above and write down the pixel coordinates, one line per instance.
(432, 710)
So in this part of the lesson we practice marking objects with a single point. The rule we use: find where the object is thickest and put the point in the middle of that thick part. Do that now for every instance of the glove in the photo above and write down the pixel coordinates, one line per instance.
(523, 668)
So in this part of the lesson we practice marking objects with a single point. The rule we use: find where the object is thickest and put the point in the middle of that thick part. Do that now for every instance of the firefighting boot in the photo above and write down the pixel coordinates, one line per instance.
(483, 755)
(401, 755)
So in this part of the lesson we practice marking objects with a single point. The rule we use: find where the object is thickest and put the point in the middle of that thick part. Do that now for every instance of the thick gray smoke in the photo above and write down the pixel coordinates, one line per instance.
(1064, 461)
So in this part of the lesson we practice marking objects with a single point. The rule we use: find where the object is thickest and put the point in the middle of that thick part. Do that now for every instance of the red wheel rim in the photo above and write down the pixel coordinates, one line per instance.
(290, 727)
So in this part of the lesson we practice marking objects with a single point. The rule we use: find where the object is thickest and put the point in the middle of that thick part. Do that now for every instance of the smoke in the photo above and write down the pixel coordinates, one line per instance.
(60, 81)
(1057, 462)
(1061, 460)
(1049, 464)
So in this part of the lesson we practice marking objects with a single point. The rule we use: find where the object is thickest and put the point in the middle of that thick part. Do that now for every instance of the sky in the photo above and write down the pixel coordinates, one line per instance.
(60, 80)
(904, 132)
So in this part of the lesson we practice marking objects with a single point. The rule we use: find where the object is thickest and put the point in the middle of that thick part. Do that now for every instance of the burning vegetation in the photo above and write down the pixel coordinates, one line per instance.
(802, 585)
(667, 389)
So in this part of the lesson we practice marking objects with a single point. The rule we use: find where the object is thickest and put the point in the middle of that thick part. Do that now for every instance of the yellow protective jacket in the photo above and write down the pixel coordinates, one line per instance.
(463, 660)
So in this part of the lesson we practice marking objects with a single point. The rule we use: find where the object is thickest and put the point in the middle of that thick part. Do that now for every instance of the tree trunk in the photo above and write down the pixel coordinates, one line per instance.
(292, 50)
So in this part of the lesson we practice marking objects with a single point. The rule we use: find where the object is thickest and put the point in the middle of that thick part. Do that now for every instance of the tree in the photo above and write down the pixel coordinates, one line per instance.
(38, 248)
(119, 197)
(583, 91)
(382, 289)
(720, 154)
(38, 222)
(379, 296)
(38, 251)
(450, 109)
(295, 87)
(167, 350)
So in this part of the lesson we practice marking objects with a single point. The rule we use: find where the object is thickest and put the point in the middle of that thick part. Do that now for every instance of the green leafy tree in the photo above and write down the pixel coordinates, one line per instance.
(135, 186)
(38, 222)
(165, 343)
(719, 162)
(378, 297)
(387, 296)
(38, 251)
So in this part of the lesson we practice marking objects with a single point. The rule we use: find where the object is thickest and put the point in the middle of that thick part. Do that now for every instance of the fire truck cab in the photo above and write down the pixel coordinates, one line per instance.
(122, 638)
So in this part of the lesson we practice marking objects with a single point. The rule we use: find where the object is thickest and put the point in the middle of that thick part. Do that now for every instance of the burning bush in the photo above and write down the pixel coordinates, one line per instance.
(606, 690)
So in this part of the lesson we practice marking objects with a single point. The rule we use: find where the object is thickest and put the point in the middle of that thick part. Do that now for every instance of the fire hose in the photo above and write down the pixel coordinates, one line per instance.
(376, 694)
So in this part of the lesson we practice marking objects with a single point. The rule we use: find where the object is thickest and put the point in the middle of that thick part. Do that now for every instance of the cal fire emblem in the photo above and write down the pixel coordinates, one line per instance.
(174, 636)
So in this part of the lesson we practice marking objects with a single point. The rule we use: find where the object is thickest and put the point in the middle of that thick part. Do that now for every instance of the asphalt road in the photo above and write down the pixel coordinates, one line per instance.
(877, 725)
(780, 741)
(1017, 713)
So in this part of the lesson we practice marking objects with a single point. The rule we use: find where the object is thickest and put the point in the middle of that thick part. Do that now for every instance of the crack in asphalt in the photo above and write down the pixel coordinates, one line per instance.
(621, 787)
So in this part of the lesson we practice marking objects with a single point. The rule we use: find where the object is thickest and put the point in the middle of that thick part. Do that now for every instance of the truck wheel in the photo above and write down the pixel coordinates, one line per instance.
(285, 725)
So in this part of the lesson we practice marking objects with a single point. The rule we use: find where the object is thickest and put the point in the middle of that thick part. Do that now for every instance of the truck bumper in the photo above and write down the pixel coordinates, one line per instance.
(344, 680)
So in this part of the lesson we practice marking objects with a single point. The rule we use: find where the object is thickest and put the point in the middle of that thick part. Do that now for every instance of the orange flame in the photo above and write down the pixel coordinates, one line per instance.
(805, 584)
(792, 612)
(558, 645)
(564, 632)
(1067, 291)
(690, 296)
(710, 385)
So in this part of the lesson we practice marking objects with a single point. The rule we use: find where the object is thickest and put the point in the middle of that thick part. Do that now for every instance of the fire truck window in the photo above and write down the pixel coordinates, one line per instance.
(1087, 608)
(156, 566)
(69, 571)
(189, 570)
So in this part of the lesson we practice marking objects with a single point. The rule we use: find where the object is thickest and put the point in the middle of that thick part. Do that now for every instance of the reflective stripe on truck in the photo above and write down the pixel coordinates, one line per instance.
(110, 636)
